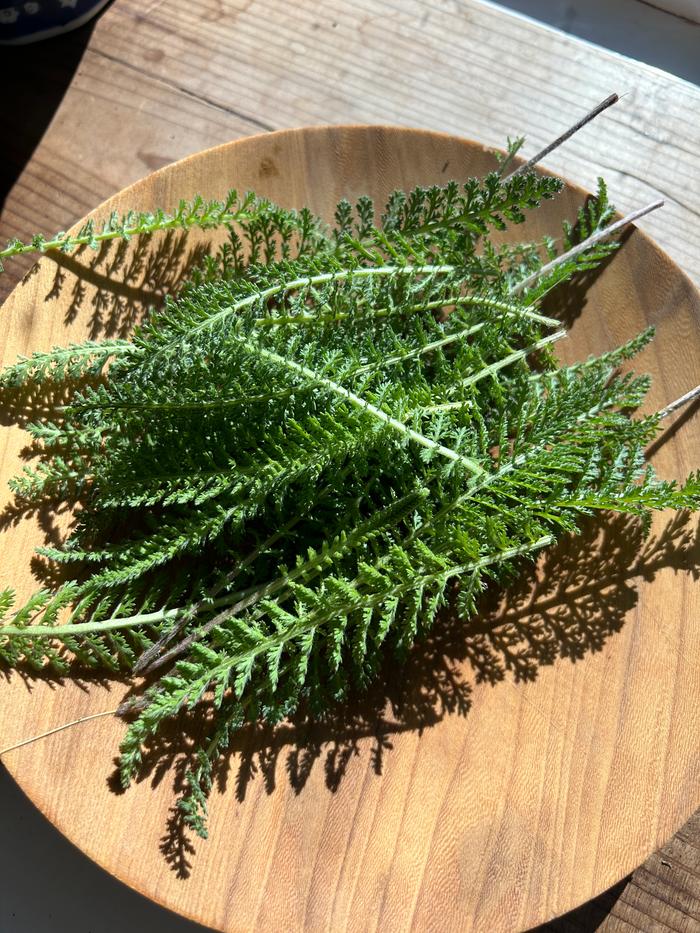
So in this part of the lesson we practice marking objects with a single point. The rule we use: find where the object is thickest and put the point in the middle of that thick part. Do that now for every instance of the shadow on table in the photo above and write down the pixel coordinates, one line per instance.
(34, 78)
(116, 285)
(589, 916)
(580, 597)
(77, 896)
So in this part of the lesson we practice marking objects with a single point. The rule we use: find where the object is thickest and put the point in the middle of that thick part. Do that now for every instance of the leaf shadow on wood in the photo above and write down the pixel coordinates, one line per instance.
(36, 401)
(579, 598)
(121, 281)
(117, 285)
(112, 289)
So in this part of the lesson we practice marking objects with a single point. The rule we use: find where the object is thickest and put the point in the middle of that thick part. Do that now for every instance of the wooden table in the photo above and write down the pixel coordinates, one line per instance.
(152, 82)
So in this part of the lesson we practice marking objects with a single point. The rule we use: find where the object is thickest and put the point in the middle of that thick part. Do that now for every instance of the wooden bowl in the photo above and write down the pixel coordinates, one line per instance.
(531, 759)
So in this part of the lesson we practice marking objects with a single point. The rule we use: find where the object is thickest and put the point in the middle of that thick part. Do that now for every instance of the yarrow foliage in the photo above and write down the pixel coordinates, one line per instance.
(329, 433)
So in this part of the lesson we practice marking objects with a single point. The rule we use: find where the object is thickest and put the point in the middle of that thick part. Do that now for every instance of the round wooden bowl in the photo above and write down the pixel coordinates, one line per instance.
(524, 763)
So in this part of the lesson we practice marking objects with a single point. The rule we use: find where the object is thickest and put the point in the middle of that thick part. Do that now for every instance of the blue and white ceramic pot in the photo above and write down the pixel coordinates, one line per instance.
(30, 20)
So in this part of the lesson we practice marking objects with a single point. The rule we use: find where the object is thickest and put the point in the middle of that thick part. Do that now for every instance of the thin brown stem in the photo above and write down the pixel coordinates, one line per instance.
(181, 647)
(586, 244)
(543, 153)
(150, 658)
(151, 654)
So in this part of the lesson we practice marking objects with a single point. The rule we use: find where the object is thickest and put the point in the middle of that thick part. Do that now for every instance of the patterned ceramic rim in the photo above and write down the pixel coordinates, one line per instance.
(46, 25)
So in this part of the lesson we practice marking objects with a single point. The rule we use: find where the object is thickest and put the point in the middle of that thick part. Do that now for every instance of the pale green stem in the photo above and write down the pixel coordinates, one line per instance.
(311, 621)
(420, 351)
(493, 368)
(151, 653)
(585, 245)
(492, 303)
(450, 338)
(89, 628)
(63, 241)
(307, 571)
(322, 278)
(377, 413)
(514, 357)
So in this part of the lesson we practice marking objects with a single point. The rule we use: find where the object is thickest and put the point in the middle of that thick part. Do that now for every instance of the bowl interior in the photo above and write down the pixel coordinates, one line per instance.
(546, 789)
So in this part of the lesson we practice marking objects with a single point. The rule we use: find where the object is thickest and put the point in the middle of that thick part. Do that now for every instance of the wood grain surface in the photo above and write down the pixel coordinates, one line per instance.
(516, 768)
(152, 82)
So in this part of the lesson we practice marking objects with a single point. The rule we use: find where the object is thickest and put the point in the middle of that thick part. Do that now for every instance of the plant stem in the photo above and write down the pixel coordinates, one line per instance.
(152, 653)
(64, 240)
(89, 628)
(461, 334)
(377, 413)
(478, 484)
(591, 115)
(436, 345)
(66, 725)
(312, 620)
(308, 281)
(480, 301)
(493, 368)
(585, 245)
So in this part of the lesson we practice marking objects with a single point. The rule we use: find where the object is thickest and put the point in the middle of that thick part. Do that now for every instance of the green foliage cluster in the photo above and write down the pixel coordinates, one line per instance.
(287, 471)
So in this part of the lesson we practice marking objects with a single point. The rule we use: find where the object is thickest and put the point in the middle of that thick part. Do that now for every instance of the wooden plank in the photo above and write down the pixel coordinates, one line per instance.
(254, 64)
(114, 126)
(462, 67)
